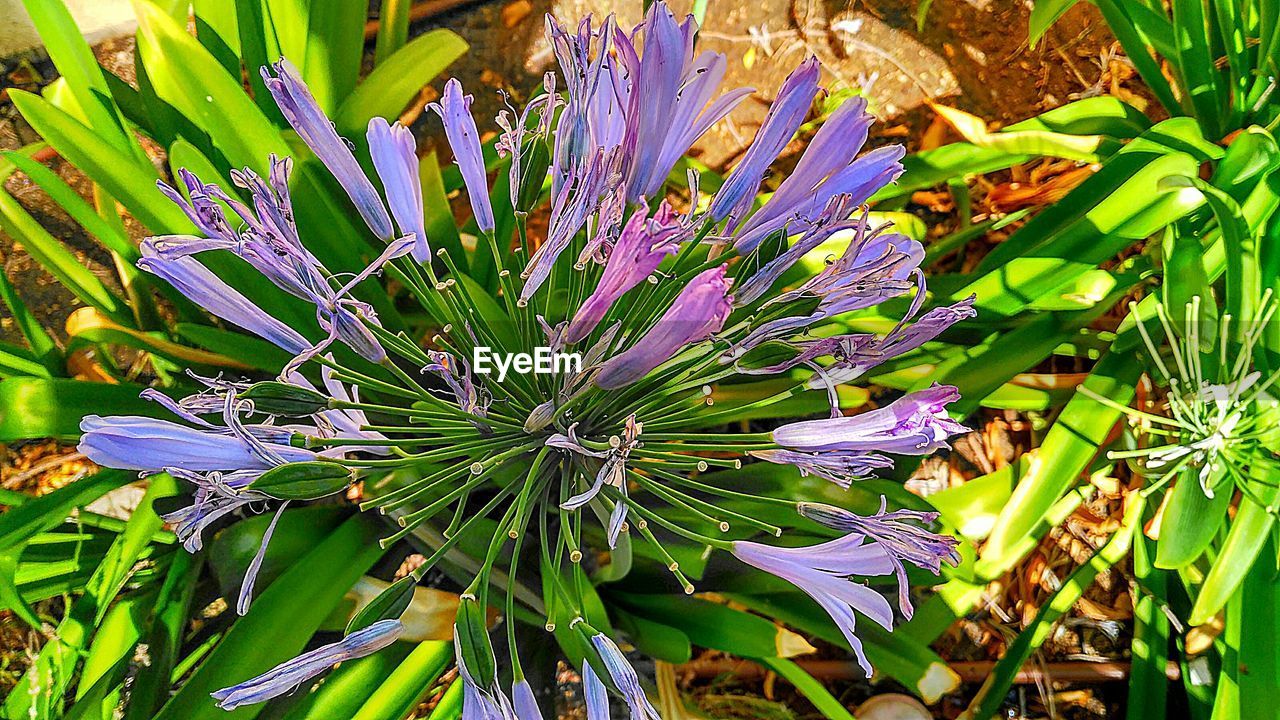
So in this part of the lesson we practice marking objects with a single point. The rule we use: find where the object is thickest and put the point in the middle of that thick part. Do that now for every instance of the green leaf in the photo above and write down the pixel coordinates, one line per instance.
(654, 639)
(1149, 650)
(76, 64)
(20, 524)
(397, 80)
(255, 352)
(393, 29)
(45, 356)
(1250, 530)
(164, 636)
(709, 624)
(75, 206)
(218, 30)
(334, 45)
(1191, 519)
(217, 103)
(1044, 13)
(129, 181)
(408, 684)
(42, 407)
(280, 621)
(1081, 429)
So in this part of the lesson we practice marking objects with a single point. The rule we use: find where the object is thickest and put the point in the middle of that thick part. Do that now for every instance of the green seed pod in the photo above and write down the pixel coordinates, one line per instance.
(277, 398)
(303, 480)
(474, 649)
(388, 605)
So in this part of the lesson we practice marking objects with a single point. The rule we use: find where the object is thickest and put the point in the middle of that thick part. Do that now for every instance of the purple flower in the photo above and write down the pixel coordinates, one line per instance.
(585, 188)
(201, 286)
(841, 467)
(854, 356)
(643, 244)
(874, 267)
(290, 674)
(821, 571)
(216, 495)
(140, 443)
(269, 242)
(833, 219)
(594, 694)
(392, 148)
(915, 424)
(306, 117)
(781, 123)
(668, 92)
(523, 701)
(829, 168)
(697, 312)
(454, 109)
(898, 533)
(624, 678)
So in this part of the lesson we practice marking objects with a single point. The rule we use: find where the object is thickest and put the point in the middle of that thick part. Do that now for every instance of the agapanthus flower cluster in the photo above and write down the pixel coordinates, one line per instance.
(661, 291)
(1220, 417)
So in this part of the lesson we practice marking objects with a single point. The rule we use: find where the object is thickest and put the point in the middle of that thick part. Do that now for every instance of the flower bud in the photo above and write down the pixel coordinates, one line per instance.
(277, 398)
(303, 480)
(471, 635)
(389, 604)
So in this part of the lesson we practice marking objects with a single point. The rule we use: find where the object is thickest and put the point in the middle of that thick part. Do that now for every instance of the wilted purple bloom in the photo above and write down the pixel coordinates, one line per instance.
(201, 286)
(854, 357)
(308, 120)
(624, 678)
(480, 703)
(697, 312)
(515, 126)
(523, 701)
(899, 533)
(582, 193)
(612, 472)
(592, 120)
(454, 109)
(874, 267)
(842, 467)
(216, 495)
(130, 442)
(833, 219)
(915, 424)
(785, 116)
(668, 96)
(643, 244)
(594, 694)
(821, 571)
(255, 565)
(290, 674)
(270, 243)
(392, 148)
(828, 169)
(456, 373)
